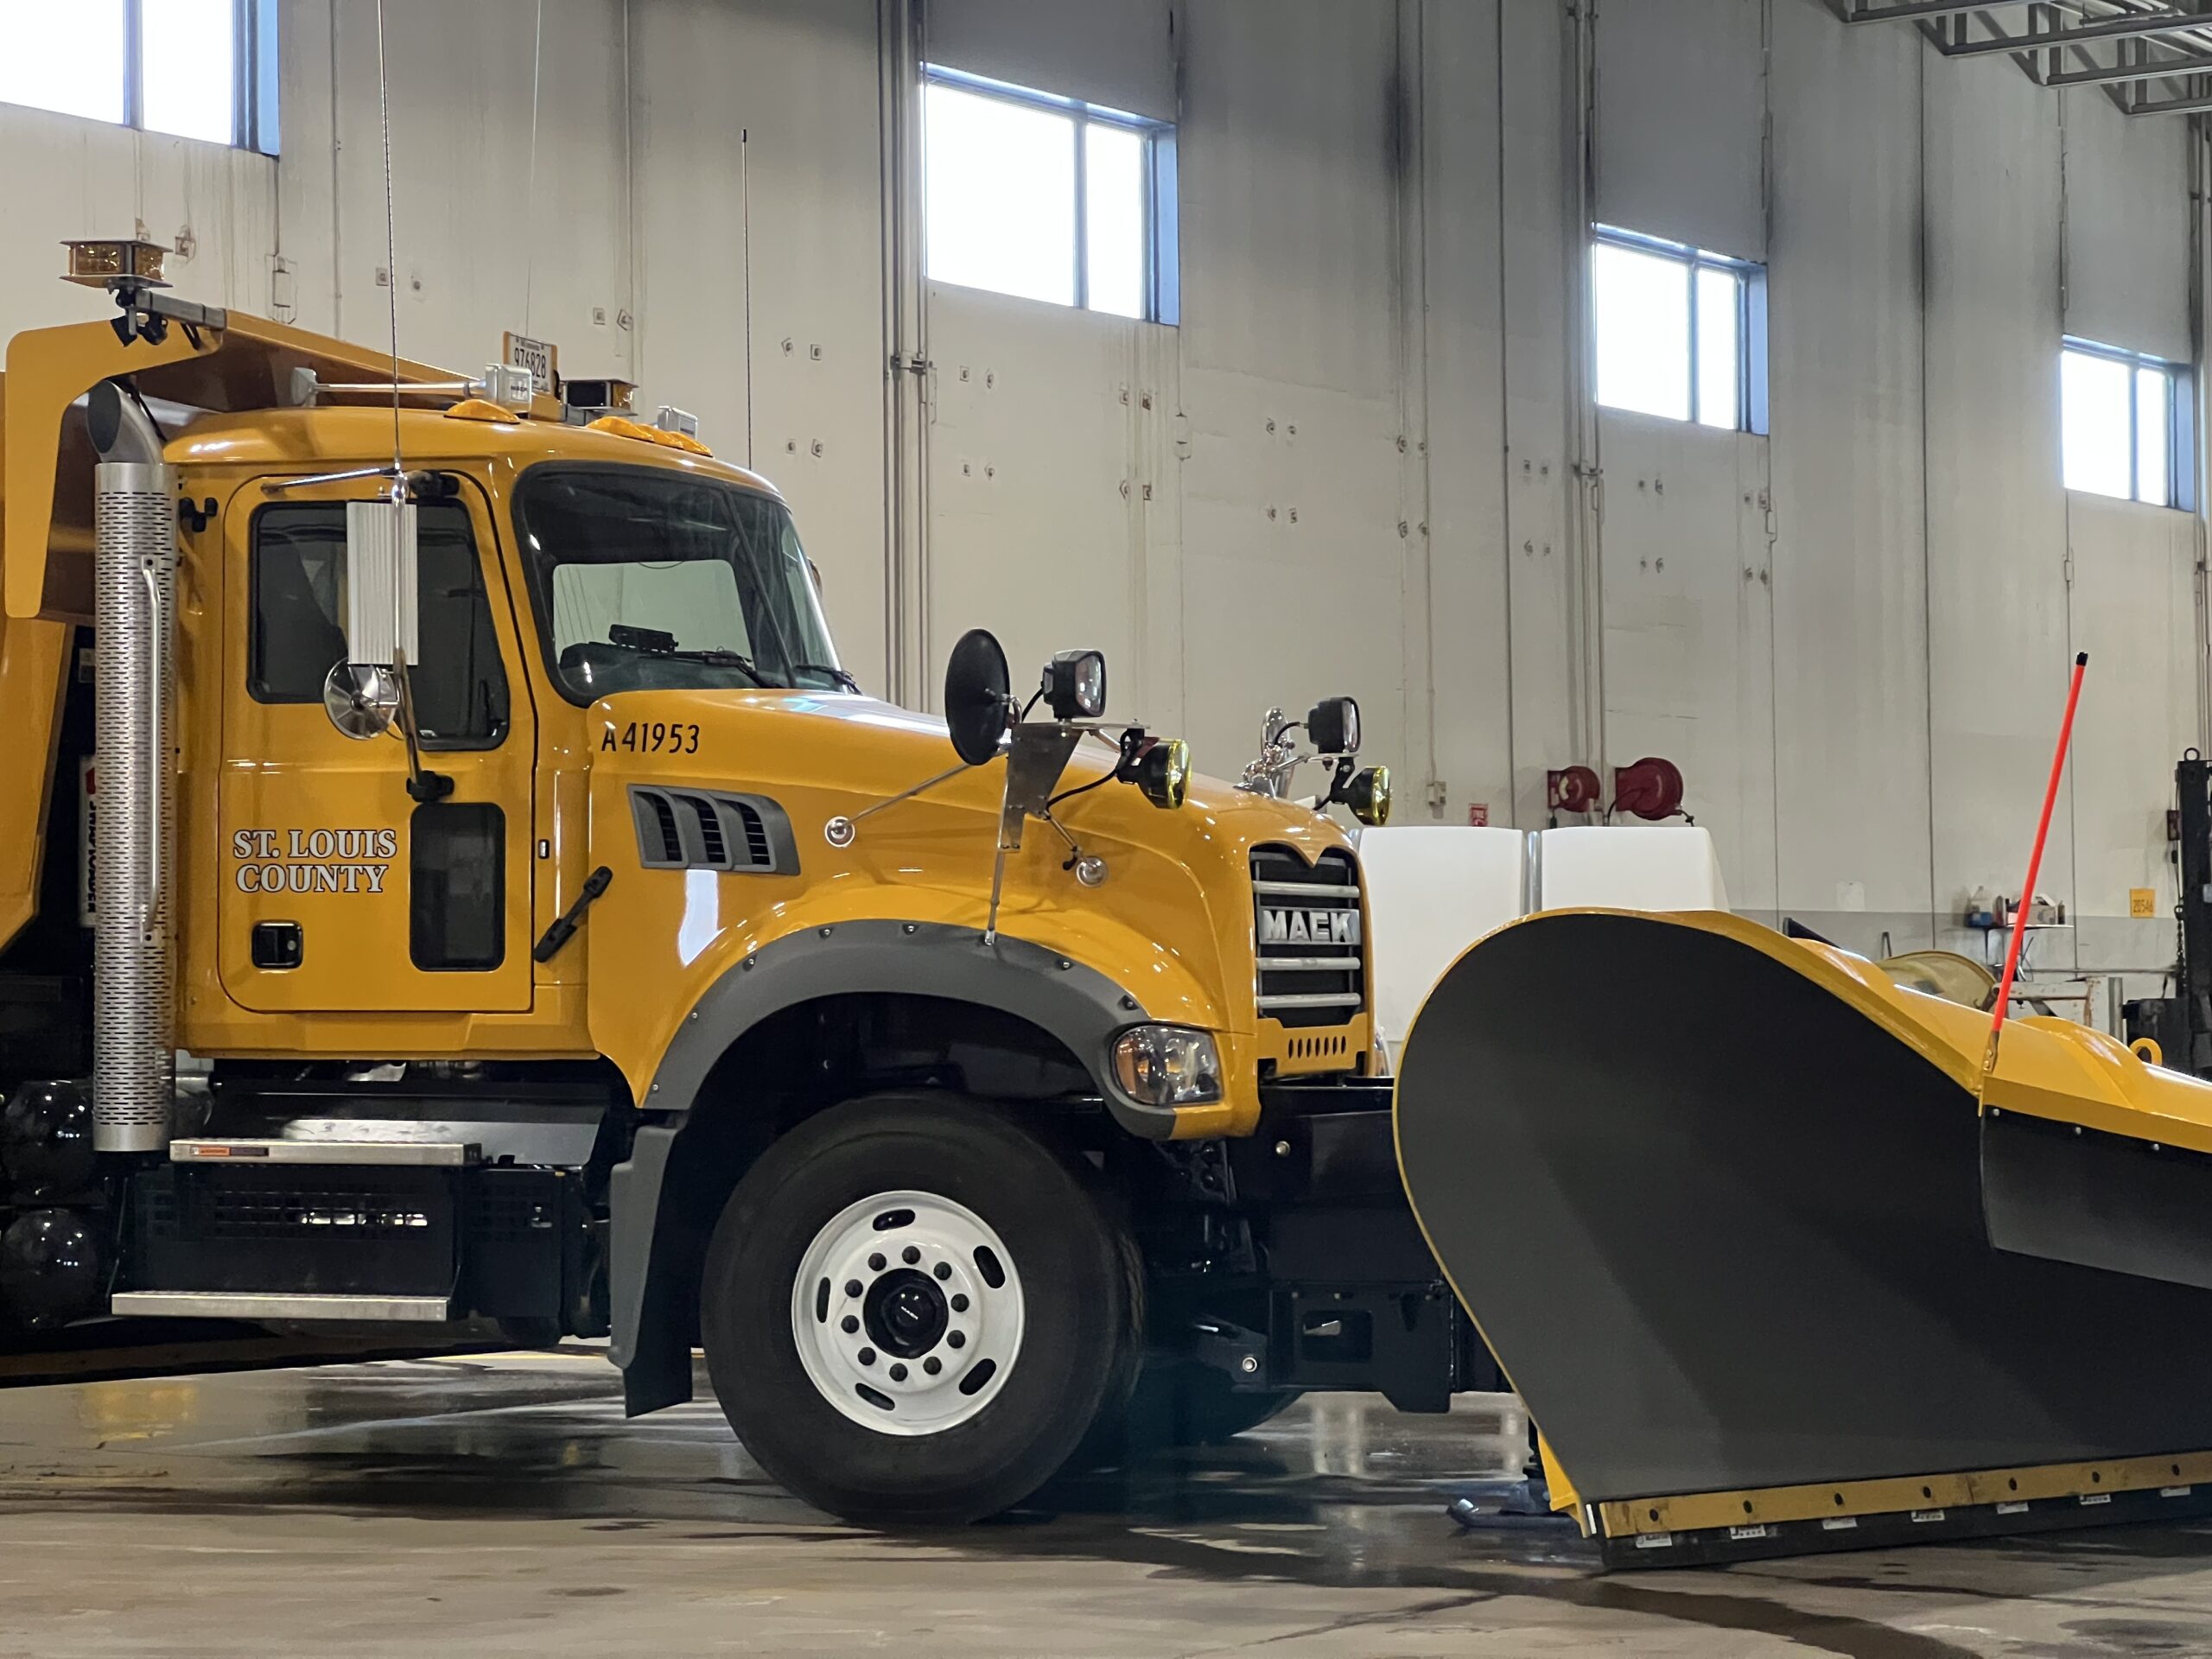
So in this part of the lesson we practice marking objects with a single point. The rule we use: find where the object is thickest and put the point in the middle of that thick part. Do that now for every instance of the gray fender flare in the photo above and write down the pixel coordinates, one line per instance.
(1080, 1005)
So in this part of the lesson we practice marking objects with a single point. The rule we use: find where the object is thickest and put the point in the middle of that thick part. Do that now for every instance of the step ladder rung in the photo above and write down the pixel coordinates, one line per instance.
(280, 1304)
(448, 1154)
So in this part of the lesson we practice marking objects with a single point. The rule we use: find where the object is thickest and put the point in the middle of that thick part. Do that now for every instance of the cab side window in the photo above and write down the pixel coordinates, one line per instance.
(296, 633)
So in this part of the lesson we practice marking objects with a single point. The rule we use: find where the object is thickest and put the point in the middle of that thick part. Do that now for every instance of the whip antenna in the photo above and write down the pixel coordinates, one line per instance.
(391, 262)
(2035, 864)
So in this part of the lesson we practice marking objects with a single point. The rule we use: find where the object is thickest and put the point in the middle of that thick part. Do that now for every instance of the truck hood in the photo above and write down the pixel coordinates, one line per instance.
(862, 749)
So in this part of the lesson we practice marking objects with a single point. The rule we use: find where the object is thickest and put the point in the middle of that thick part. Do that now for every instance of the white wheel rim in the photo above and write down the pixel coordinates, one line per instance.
(907, 1312)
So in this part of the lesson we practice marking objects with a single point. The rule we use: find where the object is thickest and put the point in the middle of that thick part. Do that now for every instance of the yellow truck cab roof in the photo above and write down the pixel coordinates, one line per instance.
(359, 433)
(229, 375)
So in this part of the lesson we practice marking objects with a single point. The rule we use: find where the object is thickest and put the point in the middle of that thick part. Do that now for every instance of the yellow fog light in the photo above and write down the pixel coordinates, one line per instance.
(1163, 772)
(1167, 1066)
(1367, 795)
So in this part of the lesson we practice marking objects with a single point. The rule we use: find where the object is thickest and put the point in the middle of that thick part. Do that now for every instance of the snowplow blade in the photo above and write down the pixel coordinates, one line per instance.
(1733, 1218)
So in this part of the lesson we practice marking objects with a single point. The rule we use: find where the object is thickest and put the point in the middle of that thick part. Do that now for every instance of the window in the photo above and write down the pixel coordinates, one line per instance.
(456, 887)
(651, 578)
(193, 69)
(1047, 198)
(1678, 331)
(2126, 424)
(299, 594)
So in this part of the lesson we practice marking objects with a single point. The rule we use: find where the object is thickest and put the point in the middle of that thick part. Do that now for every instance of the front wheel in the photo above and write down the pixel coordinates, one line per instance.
(913, 1308)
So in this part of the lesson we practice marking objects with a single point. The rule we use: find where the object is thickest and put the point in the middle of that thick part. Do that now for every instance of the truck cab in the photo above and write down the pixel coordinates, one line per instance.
(453, 880)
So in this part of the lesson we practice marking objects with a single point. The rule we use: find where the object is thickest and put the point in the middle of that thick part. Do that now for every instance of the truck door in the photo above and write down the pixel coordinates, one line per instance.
(338, 891)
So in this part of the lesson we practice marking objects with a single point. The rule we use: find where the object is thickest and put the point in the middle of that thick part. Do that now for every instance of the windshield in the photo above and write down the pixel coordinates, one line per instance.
(647, 579)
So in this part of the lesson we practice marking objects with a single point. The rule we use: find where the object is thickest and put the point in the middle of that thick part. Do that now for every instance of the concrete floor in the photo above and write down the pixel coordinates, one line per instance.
(500, 1504)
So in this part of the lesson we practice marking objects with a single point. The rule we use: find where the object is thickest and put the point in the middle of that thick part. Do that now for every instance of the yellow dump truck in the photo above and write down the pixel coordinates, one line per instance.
(445, 876)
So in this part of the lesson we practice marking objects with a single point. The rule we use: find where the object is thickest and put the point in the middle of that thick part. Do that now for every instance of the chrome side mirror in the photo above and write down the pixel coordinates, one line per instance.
(362, 695)
(382, 587)
(362, 699)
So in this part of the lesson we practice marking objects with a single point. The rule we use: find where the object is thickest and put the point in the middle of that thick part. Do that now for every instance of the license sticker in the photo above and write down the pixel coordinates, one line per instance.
(1839, 1523)
(1927, 1515)
(1738, 1535)
(2096, 1497)
(1654, 1539)
(2012, 1508)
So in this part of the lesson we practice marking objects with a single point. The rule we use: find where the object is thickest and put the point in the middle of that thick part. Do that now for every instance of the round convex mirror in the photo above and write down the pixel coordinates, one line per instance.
(362, 699)
(976, 696)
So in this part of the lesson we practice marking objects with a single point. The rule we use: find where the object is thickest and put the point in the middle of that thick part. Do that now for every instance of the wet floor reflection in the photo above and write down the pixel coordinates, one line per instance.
(1342, 1483)
(1333, 1510)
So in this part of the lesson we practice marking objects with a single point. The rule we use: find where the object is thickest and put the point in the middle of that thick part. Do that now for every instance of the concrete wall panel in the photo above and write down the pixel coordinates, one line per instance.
(1681, 135)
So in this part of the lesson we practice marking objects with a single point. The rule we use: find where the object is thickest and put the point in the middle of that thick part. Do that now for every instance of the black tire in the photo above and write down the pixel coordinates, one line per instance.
(1082, 1292)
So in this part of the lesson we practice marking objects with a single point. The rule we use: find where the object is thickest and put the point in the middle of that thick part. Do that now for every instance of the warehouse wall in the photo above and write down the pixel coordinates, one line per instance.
(1931, 230)
(1366, 459)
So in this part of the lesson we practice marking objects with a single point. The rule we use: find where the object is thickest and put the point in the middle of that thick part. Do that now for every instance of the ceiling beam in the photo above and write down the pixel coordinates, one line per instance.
(1872, 11)
(2106, 74)
(2172, 107)
(2104, 29)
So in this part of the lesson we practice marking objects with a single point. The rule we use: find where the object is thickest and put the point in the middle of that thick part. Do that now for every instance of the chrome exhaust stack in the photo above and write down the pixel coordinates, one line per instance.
(134, 581)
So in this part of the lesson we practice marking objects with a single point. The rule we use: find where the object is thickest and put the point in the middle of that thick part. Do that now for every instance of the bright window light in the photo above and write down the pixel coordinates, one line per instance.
(1674, 331)
(186, 73)
(1720, 367)
(1641, 305)
(2098, 449)
(2153, 393)
(1114, 217)
(207, 69)
(64, 56)
(1046, 198)
(999, 194)
(2124, 419)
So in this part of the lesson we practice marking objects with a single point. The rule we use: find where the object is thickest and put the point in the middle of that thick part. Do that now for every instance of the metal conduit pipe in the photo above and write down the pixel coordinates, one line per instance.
(134, 581)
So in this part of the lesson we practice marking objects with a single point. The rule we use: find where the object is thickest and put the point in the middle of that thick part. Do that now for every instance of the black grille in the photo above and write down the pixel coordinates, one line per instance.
(353, 1202)
(757, 849)
(687, 830)
(1307, 932)
(713, 845)
(342, 1229)
(670, 847)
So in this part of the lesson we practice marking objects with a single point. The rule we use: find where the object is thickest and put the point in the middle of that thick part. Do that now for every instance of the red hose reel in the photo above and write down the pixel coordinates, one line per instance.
(1651, 788)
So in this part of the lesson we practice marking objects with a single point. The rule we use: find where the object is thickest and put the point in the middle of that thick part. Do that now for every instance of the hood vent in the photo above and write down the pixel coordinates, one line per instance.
(693, 829)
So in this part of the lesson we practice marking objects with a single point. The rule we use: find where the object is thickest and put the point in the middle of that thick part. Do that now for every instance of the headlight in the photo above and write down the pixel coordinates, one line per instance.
(1167, 1066)
(1075, 684)
(1333, 726)
(1163, 772)
(1367, 795)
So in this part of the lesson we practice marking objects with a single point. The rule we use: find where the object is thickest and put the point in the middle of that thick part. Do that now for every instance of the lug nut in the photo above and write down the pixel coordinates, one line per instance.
(868, 1355)
(943, 1270)
(876, 1262)
(956, 1339)
(932, 1364)
(848, 1324)
(960, 1304)
(898, 1373)
(910, 1255)
(852, 1287)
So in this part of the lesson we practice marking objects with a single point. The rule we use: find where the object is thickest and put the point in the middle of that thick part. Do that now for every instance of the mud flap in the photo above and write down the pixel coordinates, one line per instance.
(1721, 1217)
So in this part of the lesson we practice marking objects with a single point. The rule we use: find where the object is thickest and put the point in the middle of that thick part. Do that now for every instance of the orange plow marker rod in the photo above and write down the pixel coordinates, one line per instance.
(2034, 866)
